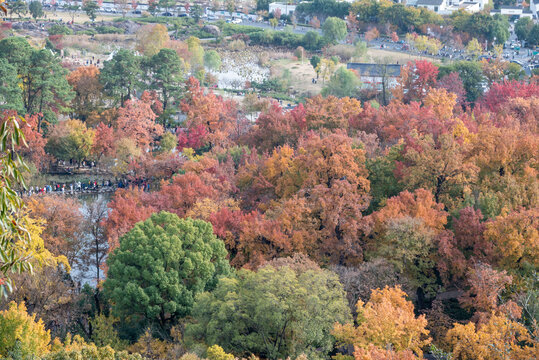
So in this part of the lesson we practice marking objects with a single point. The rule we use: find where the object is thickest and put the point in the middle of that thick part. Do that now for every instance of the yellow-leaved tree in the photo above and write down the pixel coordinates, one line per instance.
(151, 38)
(498, 339)
(36, 248)
(21, 335)
(387, 320)
(216, 352)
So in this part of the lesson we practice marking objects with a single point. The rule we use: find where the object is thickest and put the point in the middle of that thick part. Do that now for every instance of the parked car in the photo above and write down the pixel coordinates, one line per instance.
(166, 14)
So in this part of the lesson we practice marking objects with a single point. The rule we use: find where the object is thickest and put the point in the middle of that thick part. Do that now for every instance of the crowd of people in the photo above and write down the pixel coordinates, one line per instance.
(86, 187)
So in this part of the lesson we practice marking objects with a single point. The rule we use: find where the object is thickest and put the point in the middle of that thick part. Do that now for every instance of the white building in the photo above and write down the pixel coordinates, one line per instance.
(470, 6)
(438, 6)
(511, 10)
(534, 6)
(446, 7)
(285, 8)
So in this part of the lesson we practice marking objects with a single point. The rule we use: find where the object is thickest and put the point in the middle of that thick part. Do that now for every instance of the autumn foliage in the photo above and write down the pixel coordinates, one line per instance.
(427, 202)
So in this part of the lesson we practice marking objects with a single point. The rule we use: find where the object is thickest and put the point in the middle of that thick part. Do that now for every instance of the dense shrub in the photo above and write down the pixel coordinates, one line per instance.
(58, 29)
(109, 30)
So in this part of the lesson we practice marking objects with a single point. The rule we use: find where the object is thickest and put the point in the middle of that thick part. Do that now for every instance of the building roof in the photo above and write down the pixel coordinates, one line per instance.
(430, 2)
(376, 70)
(507, 7)
(527, 11)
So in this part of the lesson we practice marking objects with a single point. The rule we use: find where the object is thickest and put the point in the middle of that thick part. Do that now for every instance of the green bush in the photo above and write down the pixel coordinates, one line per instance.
(109, 30)
(228, 29)
(58, 29)
(310, 41)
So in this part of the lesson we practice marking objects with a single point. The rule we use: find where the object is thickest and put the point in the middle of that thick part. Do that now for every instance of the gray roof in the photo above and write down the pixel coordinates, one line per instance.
(429, 2)
(527, 11)
(376, 70)
(511, 7)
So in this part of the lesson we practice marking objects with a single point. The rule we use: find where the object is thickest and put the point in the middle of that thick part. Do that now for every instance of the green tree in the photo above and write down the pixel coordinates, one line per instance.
(212, 60)
(499, 29)
(120, 75)
(404, 17)
(342, 83)
(533, 36)
(159, 268)
(59, 29)
(515, 72)
(16, 50)
(36, 9)
(272, 313)
(384, 183)
(334, 30)
(408, 244)
(262, 5)
(167, 70)
(196, 12)
(167, 143)
(523, 27)
(19, 7)
(273, 22)
(45, 87)
(360, 49)
(43, 79)
(90, 8)
(104, 333)
(315, 60)
(312, 40)
(471, 75)
(10, 91)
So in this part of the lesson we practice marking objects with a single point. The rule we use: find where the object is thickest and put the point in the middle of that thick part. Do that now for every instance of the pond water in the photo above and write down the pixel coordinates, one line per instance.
(239, 67)
(81, 273)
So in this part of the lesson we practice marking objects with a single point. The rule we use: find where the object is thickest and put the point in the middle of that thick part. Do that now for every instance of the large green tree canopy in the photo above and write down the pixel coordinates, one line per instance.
(119, 75)
(272, 313)
(159, 267)
(334, 29)
(40, 76)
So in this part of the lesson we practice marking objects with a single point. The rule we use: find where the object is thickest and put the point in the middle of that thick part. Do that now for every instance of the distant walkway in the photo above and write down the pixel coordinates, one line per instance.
(87, 187)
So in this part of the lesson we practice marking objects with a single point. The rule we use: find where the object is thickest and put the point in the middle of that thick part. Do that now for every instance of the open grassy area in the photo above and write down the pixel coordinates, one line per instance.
(374, 55)
(301, 74)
